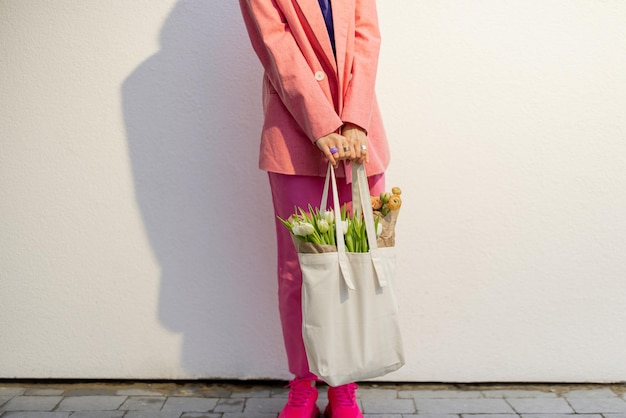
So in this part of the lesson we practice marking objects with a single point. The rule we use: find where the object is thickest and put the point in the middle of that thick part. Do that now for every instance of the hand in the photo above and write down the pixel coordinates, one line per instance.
(340, 143)
(358, 141)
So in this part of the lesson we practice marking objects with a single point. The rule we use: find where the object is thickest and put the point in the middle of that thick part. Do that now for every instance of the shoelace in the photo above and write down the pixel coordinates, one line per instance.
(298, 396)
(346, 394)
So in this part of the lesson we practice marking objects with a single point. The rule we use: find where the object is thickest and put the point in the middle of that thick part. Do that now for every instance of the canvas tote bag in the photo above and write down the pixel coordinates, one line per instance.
(350, 312)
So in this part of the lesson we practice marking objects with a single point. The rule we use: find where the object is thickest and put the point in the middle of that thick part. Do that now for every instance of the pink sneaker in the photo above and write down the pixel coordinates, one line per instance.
(302, 398)
(342, 402)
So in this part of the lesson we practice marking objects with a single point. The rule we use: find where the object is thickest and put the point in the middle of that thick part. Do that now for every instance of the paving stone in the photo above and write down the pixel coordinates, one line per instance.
(561, 416)
(98, 414)
(11, 391)
(463, 406)
(216, 392)
(138, 392)
(91, 392)
(200, 415)
(143, 403)
(31, 414)
(540, 406)
(431, 416)
(598, 405)
(200, 390)
(189, 404)
(259, 401)
(91, 403)
(377, 394)
(152, 414)
(439, 394)
(489, 416)
(31, 403)
(590, 393)
(261, 393)
(387, 406)
(44, 392)
(279, 393)
(264, 406)
(229, 405)
(382, 416)
(513, 393)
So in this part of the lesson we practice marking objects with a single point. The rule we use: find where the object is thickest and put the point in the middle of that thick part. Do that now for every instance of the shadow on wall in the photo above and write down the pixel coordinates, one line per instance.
(206, 207)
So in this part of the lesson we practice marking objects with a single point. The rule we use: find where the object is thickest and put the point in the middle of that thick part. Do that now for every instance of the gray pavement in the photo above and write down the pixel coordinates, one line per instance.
(48, 399)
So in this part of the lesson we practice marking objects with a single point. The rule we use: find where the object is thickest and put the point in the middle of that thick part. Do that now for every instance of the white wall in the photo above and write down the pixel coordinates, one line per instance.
(136, 231)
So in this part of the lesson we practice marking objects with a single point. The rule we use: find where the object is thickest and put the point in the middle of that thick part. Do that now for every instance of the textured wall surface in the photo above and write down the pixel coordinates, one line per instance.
(137, 233)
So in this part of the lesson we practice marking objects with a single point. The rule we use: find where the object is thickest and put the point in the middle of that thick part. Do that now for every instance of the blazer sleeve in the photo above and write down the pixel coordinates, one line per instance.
(287, 69)
(360, 95)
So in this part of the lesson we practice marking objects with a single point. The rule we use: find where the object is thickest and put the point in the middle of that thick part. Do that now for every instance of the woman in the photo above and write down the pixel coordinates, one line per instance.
(320, 61)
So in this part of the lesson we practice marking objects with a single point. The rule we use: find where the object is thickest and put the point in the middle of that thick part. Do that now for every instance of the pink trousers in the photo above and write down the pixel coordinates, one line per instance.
(288, 192)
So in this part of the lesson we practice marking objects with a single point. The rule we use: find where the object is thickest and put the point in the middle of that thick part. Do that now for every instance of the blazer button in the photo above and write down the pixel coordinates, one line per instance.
(319, 76)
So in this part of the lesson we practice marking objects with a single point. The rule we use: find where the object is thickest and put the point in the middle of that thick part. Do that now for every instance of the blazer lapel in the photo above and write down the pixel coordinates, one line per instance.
(311, 11)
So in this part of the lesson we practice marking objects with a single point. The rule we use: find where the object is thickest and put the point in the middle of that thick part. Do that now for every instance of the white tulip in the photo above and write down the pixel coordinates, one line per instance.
(344, 225)
(379, 229)
(303, 229)
(323, 225)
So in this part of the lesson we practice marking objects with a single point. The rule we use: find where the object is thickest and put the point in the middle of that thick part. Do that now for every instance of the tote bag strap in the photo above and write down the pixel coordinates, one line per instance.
(361, 202)
(344, 265)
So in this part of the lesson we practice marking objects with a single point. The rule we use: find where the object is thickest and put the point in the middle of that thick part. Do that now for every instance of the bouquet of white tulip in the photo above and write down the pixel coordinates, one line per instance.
(314, 231)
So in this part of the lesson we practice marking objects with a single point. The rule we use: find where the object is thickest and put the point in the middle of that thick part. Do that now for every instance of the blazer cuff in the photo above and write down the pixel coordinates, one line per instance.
(324, 129)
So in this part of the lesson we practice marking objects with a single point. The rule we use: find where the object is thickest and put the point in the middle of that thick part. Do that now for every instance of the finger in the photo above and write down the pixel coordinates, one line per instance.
(349, 150)
(359, 152)
(362, 158)
(330, 155)
(341, 153)
(354, 145)
(340, 145)
(364, 151)
(328, 149)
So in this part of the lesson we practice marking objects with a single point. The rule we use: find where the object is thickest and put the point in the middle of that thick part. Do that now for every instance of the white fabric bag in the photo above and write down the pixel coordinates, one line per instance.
(349, 308)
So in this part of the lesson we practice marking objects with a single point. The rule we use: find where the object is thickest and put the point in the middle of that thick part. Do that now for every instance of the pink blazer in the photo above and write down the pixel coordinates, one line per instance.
(307, 93)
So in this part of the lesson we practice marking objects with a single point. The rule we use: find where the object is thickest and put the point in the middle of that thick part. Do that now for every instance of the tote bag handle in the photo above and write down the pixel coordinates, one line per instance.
(344, 264)
(361, 203)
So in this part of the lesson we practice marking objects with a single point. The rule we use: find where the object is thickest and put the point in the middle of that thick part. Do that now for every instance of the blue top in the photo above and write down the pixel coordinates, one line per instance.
(327, 12)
